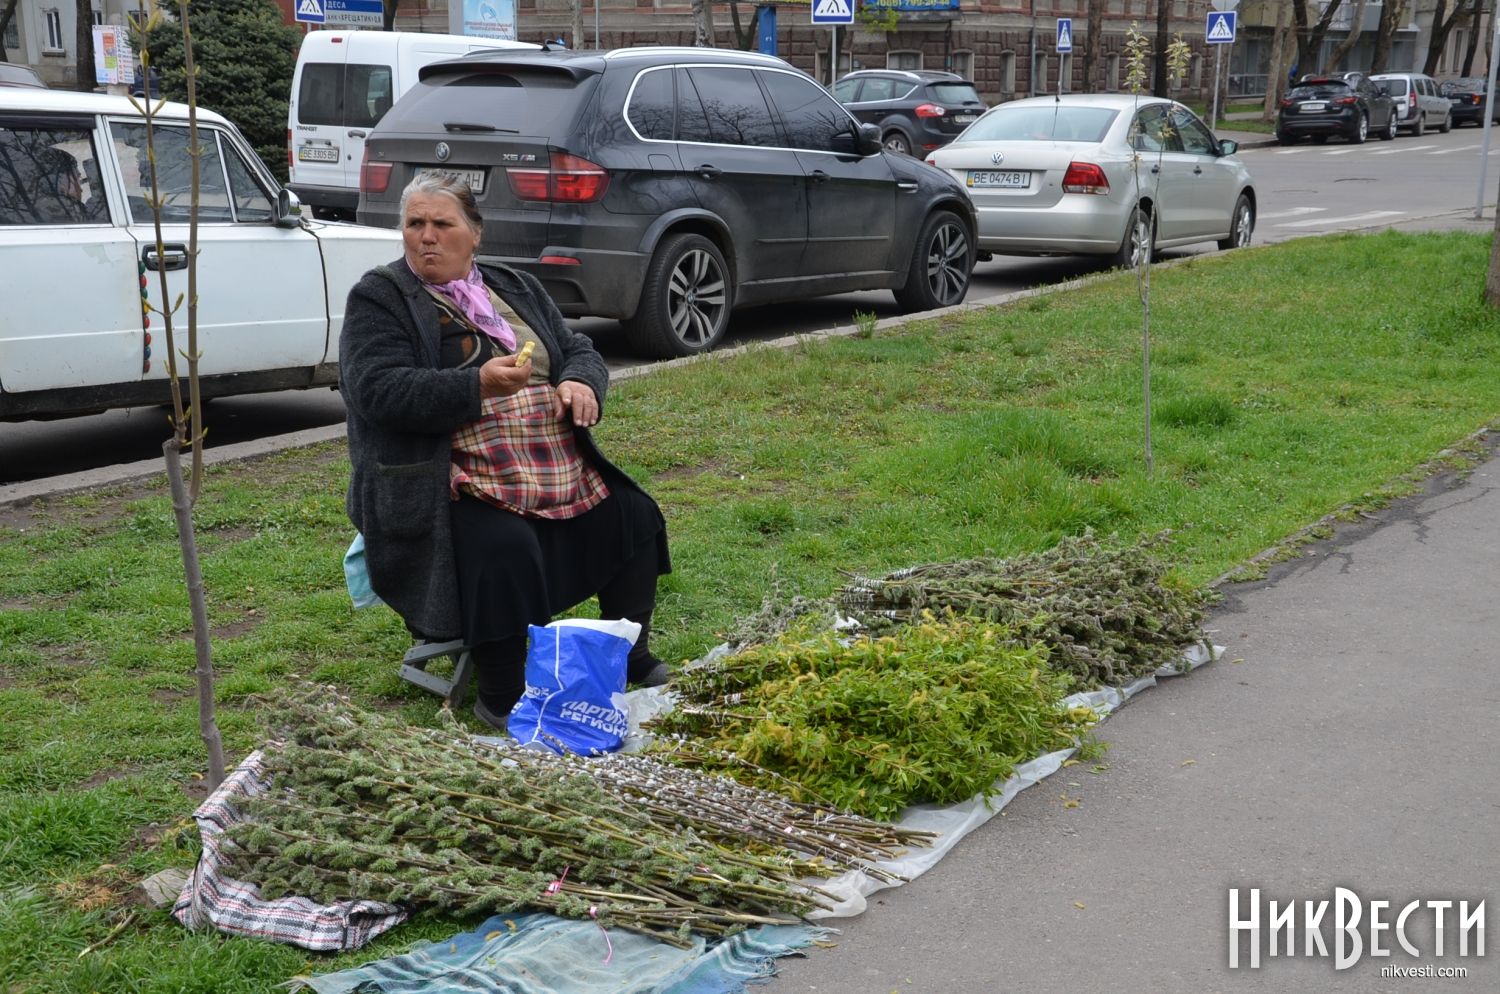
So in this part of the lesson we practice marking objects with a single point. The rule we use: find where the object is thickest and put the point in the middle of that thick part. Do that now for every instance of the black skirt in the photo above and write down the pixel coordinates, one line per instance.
(515, 571)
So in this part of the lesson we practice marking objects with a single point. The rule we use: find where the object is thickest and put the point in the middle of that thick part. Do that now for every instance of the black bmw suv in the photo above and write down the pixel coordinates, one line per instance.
(667, 186)
(916, 110)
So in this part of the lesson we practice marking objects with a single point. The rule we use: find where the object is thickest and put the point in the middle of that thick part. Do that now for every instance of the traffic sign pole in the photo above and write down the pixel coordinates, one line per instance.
(1213, 121)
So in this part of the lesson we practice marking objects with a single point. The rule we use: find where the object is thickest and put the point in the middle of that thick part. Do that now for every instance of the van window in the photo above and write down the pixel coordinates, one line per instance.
(48, 175)
(355, 96)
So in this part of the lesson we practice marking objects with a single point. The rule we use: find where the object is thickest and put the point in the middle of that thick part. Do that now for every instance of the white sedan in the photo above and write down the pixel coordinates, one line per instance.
(1063, 175)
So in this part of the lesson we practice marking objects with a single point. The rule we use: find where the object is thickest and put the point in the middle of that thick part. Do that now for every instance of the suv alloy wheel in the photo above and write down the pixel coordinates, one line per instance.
(686, 300)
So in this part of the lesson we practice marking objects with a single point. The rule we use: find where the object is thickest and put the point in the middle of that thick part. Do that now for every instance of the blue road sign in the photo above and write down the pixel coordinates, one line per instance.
(1219, 29)
(310, 11)
(833, 12)
(1065, 34)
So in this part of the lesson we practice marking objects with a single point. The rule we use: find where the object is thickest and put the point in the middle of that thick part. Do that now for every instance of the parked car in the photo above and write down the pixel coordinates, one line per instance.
(1064, 176)
(1320, 106)
(12, 74)
(344, 83)
(79, 256)
(915, 110)
(666, 186)
(1466, 97)
(1419, 105)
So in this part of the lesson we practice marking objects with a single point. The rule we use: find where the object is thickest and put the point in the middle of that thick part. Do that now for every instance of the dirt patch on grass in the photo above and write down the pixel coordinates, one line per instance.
(234, 629)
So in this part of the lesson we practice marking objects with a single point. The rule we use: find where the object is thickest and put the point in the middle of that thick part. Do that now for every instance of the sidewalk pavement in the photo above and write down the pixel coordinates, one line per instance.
(1347, 738)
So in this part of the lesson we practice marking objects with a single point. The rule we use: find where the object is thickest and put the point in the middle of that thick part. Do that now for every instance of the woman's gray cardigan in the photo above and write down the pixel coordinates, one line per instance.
(402, 410)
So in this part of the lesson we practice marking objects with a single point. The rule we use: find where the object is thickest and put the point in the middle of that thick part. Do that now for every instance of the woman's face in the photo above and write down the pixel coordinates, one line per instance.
(440, 245)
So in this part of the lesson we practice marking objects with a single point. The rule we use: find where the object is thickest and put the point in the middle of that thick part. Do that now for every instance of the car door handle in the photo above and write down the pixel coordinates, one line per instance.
(1197, 170)
(819, 176)
(709, 172)
(907, 186)
(357, 134)
(1156, 169)
(172, 257)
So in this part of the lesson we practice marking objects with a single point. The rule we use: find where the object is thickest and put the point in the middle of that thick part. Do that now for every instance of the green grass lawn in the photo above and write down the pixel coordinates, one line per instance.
(1280, 396)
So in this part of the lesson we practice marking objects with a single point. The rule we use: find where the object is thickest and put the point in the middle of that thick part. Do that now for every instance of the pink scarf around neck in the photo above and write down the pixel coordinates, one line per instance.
(472, 297)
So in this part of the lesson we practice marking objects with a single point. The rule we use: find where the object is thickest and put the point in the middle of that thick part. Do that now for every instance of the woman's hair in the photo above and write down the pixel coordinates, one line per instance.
(435, 182)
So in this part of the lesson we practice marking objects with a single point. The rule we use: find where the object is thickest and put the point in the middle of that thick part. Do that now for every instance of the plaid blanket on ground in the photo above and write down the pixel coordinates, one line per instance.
(213, 900)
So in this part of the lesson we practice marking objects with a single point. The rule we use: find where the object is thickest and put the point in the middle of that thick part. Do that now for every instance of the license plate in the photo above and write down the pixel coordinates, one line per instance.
(312, 153)
(965, 118)
(1315, 107)
(993, 179)
(473, 177)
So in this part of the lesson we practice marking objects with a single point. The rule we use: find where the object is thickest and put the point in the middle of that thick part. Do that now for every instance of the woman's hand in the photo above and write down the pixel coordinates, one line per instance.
(501, 377)
(578, 398)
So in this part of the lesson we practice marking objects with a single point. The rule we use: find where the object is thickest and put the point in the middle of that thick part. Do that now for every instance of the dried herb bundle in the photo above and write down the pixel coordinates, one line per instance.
(363, 806)
(1108, 615)
(938, 711)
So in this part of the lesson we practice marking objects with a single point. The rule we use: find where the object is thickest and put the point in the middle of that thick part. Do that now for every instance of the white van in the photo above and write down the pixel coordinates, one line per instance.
(344, 84)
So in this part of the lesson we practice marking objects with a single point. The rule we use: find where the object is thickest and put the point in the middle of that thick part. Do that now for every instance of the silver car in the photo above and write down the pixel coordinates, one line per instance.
(1063, 175)
(1419, 102)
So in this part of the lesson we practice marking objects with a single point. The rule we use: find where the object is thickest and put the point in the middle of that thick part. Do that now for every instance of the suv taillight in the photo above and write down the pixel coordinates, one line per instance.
(374, 177)
(290, 160)
(1085, 177)
(1285, 102)
(1411, 99)
(930, 110)
(568, 179)
(1347, 101)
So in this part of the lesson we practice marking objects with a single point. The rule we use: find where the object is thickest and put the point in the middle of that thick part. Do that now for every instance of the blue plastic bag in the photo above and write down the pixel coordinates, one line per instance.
(575, 686)
(357, 575)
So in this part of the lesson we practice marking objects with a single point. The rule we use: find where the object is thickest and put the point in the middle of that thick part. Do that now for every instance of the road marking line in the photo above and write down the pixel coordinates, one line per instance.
(1294, 150)
(1459, 148)
(1341, 151)
(1403, 148)
(1351, 219)
(1293, 212)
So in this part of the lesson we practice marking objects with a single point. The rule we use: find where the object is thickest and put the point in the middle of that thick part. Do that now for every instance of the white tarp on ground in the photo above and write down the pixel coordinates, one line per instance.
(951, 822)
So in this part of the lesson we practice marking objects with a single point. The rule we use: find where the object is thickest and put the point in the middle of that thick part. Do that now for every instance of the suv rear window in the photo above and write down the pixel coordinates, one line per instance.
(954, 93)
(1320, 90)
(520, 101)
(1395, 87)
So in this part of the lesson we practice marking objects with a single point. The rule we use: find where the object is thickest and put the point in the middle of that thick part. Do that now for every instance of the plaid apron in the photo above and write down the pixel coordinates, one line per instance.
(521, 457)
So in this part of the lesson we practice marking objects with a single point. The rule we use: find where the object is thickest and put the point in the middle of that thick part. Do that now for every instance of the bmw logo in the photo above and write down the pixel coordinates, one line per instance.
(442, 151)
(997, 158)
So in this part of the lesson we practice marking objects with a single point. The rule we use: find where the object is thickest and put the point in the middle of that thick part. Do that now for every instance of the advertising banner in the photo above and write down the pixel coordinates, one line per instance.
(114, 60)
(490, 19)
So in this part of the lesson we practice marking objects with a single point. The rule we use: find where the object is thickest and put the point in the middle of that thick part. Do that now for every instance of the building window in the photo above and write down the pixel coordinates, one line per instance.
(13, 35)
(821, 66)
(1112, 72)
(1007, 72)
(962, 63)
(98, 18)
(903, 60)
(1038, 72)
(54, 29)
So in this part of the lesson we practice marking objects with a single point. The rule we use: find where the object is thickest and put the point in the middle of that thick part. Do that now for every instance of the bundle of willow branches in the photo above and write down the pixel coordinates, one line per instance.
(1107, 615)
(363, 806)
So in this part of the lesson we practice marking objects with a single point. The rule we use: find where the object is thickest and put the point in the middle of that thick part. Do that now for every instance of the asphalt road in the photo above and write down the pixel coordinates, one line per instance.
(1304, 190)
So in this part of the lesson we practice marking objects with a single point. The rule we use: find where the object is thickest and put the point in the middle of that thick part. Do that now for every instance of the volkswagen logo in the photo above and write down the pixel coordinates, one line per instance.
(997, 158)
(443, 151)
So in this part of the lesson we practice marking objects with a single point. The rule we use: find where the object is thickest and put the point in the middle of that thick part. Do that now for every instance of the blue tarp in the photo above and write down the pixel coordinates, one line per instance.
(544, 954)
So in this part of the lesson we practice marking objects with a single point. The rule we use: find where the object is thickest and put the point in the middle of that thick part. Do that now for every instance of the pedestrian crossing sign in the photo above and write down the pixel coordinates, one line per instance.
(1065, 34)
(310, 11)
(833, 12)
(1220, 27)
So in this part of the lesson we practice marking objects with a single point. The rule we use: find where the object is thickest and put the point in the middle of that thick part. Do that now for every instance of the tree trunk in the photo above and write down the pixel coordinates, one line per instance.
(1310, 36)
(579, 41)
(1476, 22)
(703, 23)
(1093, 41)
(1161, 86)
(1438, 40)
(744, 38)
(182, 508)
(8, 12)
(1492, 278)
(84, 35)
(388, 14)
(1281, 41)
(1392, 14)
(1347, 45)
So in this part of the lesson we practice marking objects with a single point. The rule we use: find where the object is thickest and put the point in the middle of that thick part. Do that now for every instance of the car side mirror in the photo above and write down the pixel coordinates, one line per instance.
(1228, 146)
(288, 209)
(868, 142)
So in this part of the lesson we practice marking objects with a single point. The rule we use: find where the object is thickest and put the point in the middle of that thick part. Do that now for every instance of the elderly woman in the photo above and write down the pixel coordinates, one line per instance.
(484, 502)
